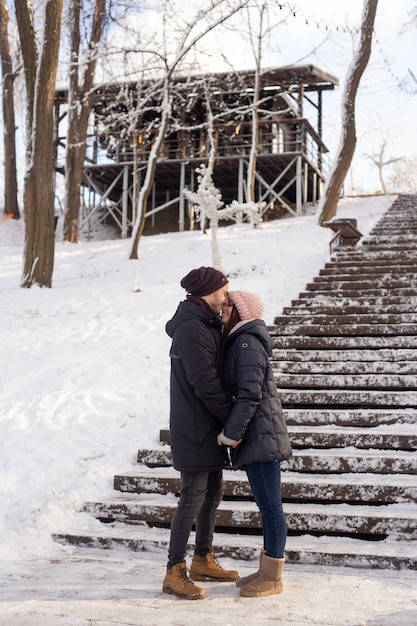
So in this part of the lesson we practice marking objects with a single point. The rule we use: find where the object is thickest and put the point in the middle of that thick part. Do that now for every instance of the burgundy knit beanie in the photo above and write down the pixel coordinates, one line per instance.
(248, 304)
(203, 281)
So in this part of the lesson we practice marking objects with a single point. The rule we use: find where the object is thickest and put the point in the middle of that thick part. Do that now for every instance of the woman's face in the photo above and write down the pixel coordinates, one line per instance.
(227, 309)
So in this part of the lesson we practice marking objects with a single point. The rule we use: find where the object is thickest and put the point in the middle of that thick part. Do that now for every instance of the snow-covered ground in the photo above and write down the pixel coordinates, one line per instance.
(84, 383)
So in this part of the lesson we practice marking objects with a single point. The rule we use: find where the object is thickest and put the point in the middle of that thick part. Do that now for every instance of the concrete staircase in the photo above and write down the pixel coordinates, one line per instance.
(345, 359)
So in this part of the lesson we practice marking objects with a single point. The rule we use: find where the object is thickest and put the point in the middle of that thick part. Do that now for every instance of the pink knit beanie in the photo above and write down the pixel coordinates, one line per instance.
(248, 304)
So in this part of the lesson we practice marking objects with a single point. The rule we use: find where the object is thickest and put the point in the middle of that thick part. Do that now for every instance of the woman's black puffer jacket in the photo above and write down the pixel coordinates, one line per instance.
(257, 416)
(199, 404)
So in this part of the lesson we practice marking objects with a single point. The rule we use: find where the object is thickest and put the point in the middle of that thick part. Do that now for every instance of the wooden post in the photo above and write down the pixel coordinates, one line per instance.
(299, 186)
(240, 182)
(125, 195)
(181, 220)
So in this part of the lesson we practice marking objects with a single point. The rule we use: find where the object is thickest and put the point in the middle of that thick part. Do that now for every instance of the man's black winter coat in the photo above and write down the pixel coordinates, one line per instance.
(199, 405)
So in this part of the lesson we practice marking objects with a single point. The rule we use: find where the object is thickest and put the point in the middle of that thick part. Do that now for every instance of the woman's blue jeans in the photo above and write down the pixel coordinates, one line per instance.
(201, 493)
(265, 482)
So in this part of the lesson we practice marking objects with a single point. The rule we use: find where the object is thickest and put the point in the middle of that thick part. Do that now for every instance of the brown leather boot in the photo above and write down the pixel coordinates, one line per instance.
(241, 582)
(178, 583)
(207, 568)
(269, 580)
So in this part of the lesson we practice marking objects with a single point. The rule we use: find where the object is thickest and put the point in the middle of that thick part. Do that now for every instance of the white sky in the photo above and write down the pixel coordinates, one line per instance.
(385, 112)
(323, 33)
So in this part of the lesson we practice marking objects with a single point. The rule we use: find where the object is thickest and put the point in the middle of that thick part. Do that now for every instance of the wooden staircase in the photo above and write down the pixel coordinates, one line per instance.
(345, 359)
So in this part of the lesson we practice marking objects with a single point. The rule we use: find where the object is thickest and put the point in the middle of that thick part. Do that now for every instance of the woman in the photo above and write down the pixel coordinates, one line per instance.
(256, 430)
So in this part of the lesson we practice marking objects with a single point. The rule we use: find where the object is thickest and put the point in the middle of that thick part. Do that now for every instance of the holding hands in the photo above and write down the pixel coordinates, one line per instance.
(222, 440)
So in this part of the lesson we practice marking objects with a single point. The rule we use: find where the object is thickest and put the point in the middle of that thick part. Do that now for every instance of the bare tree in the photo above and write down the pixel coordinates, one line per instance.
(347, 144)
(380, 162)
(256, 40)
(197, 28)
(79, 94)
(11, 205)
(404, 176)
(40, 67)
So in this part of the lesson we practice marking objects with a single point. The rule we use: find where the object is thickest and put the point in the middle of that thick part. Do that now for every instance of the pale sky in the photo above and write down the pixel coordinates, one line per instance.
(323, 33)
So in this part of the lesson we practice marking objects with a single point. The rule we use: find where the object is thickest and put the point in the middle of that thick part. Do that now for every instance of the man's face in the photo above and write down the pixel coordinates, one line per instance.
(217, 299)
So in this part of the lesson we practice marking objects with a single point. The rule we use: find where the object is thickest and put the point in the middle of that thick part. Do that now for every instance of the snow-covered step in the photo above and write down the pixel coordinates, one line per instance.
(346, 381)
(357, 328)
(342, 318)
(304, 342)
(394, 438)
(358, 266)
(377, 245)
(295, 486)
(399, 357)
(380, 520)
(353, 460)
(384, 437)
(392, 554)
(320, 461)
(379, 300)
(362, 417)
(311, 308)
(378, 286)
(347, 398)
(400, 274)
(393, 370)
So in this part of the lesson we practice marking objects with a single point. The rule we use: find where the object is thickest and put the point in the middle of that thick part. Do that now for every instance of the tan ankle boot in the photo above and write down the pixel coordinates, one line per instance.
(241, 582)
(207, 568)
(269, 580)
(178, 583)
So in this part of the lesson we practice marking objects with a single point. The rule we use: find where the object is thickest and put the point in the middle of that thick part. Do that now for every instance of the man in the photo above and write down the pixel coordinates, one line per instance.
(199, 410)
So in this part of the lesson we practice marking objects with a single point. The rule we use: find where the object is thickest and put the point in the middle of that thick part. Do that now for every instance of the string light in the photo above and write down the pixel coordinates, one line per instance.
(295, 12)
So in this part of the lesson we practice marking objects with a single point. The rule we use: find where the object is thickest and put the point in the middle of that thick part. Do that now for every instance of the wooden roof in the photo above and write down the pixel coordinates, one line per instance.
(287, 78)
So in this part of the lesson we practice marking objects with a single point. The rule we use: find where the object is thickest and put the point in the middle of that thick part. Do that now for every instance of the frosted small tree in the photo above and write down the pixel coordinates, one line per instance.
(207, 201)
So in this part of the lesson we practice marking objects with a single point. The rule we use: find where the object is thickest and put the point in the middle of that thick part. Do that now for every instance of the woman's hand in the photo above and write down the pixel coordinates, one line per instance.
(222, 440)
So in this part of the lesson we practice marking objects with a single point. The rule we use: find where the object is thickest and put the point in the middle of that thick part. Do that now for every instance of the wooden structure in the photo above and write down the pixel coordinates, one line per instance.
(346, 233)
(290, 159)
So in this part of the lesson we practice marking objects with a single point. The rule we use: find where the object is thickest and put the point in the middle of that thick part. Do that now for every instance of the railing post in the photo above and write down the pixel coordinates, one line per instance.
(125, 200)
(240, 182)
(299, 185)
(181, 219)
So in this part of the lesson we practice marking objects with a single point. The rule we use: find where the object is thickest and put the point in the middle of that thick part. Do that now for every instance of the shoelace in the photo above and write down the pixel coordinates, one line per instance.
(183, 575)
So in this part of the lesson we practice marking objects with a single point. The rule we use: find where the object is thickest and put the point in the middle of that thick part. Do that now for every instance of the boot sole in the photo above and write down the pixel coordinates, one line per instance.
(254, 594)
(166, 589)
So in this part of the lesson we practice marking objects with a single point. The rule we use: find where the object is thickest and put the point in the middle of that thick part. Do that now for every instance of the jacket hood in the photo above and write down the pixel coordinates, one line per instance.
(187, 311)
(258, 329)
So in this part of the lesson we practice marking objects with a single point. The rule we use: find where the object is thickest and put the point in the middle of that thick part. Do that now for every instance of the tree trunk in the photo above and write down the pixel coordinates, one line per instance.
(11, 205)
(39, 178)
(343, 159)
(251, 177)
(150, 173)
(78, 113)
